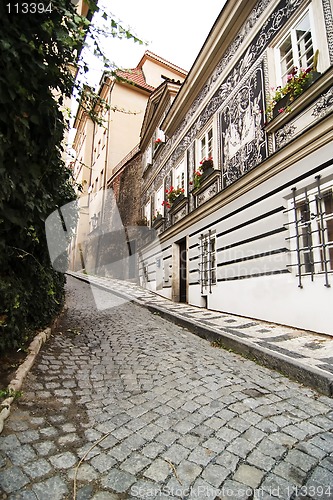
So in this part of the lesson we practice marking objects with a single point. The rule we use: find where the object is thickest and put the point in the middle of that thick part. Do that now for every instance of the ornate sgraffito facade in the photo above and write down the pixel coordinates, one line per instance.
(245, 63)
(243, 137)
(244, 238)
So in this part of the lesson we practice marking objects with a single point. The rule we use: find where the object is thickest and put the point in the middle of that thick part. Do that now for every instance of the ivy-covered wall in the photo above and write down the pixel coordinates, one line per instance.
(35, 52)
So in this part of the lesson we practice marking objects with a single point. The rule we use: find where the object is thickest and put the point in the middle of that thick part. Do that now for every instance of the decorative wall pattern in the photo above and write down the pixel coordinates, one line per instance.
(318, 110)
(243, 137)
(328, 15)
(274, 23)
(272, 26)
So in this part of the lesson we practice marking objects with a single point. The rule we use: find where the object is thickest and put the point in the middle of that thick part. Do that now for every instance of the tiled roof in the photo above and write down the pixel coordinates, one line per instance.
(135, 76)
(150, 55)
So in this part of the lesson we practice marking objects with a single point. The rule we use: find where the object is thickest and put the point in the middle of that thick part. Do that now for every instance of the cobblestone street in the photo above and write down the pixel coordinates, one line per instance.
(154, 411)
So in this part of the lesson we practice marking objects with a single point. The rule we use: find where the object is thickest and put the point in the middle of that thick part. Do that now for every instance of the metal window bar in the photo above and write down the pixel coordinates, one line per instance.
(201, 264)
(320, 214)
(309, 235)
(299, 264)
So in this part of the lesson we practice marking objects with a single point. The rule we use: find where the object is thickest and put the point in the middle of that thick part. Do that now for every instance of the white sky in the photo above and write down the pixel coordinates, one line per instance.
(175, 30)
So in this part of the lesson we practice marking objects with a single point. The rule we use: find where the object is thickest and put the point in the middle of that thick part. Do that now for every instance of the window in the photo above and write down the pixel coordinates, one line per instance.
(179, 176)
(147, 213)
(148, 156)
(207, 266)
(297, 49)
(206, 145)
(159, 198)
(312, 238)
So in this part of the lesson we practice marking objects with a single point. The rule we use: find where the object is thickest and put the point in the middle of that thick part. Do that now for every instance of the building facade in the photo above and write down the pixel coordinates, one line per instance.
(103, 149)
(243, 183)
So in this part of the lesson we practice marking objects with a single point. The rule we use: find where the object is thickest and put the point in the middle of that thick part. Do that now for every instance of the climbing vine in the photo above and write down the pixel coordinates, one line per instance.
(38, 56)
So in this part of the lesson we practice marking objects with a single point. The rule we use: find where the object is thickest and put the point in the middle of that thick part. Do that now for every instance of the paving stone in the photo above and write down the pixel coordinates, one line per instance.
(246, 474)
(64, 460)
(28, 436)
(37, 469)
(260, 460)
(55, 484)
(22, 455)
(7, 443)
(277, 486)
(235, 491)
(151, 450)
(135, 463)
(12, 479)
(240, 446)
(158, 471)
(301, 460)
(321, 481)
(201, 456)
(290, 472)
(176, 453)
(84, 473)
(215, 474)
(167, 398)
(167, 437)
(45, 448)
(23, 495)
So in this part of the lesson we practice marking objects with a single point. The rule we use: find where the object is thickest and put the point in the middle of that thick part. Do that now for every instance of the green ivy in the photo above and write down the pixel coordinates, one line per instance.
(36, 51)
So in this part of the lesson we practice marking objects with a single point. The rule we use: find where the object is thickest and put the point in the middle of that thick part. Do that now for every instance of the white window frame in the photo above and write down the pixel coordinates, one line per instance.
(147, 213)
(179, 176)
(148, 156)
(282, 75)
(205, 143)
(159, 198)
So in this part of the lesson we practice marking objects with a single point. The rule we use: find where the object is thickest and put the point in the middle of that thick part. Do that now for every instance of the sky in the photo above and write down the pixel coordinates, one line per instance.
(174, 30)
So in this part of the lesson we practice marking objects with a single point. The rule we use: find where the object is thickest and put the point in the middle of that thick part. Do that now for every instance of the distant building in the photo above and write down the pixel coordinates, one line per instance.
(100, 149)
(251, 230)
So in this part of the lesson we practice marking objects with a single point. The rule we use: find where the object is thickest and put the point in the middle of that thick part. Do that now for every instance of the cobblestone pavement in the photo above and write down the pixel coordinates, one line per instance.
(157, 412)
(303, 355)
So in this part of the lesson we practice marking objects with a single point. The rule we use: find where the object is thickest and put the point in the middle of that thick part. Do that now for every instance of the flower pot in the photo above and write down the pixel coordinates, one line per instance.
(281, 104)
(177, 200)
(158, 220)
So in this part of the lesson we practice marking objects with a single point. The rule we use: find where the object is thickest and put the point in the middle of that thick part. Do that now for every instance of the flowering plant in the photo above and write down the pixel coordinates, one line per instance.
(171, 195)
(208, 160)
(196, 179)
(296, 84)
(157, 215)
(158, 141)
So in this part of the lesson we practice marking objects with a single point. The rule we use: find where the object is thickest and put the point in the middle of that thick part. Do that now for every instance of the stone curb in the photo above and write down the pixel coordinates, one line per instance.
(309, 376)
(24, 368)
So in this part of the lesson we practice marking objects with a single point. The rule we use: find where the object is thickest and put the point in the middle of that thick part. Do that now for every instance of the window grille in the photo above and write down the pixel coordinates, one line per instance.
(312, 227)
(207, 265)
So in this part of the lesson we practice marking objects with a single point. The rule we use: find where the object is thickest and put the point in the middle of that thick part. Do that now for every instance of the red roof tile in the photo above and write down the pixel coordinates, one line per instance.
(135, 76)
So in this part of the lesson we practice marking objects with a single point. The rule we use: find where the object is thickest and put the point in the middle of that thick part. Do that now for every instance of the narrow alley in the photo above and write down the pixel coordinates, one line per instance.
(123, 404)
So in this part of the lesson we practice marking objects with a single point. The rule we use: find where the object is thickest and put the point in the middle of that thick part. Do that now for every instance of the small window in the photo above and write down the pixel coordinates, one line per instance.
(179, 176)
(297, 48)
(159, 198)
(311, 239)
(147, 213)
(206, 145)
(207, 264)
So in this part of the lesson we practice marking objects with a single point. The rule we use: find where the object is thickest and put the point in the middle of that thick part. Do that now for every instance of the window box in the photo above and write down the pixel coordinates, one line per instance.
(285, 96)
(158, 221)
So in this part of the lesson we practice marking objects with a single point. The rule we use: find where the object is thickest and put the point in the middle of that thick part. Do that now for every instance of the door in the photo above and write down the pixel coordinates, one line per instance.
(182, 271)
